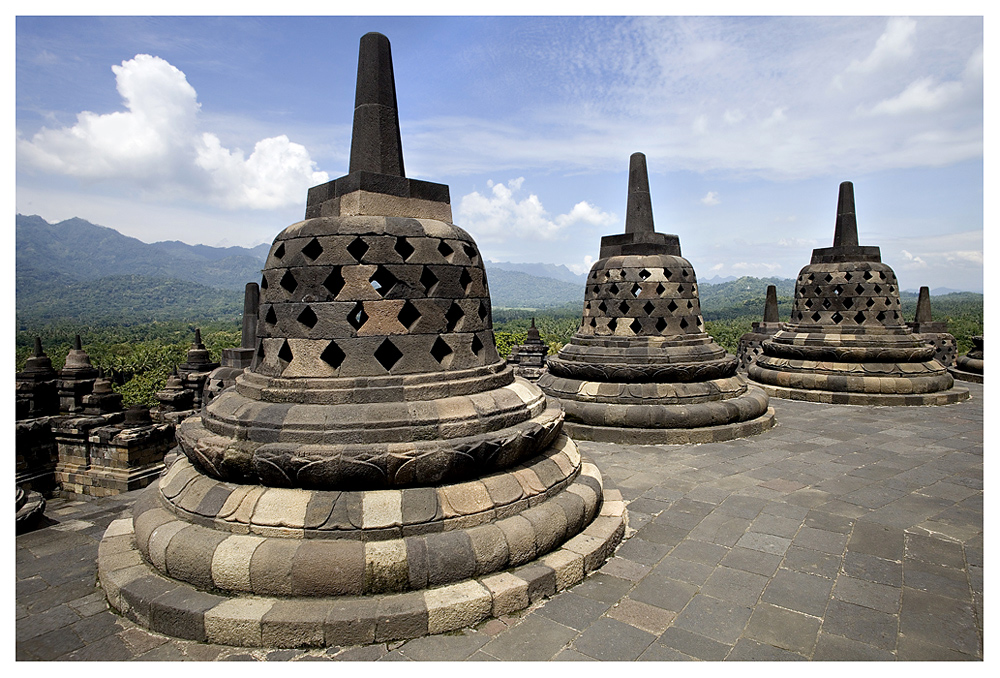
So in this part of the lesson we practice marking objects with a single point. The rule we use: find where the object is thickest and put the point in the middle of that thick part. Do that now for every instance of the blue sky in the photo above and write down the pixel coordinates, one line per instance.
(211, 129)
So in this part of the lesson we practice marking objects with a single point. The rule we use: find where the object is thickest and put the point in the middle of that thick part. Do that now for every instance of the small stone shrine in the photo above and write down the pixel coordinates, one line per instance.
(846, 342)
(194, 372)
(528, 358)
(969, 367)
(379, 472)
(37, 386)
(76, 379)
(749, 348)
(176, 403)
(235, 360)
(641, 368)
(101, 400)
(933, 332)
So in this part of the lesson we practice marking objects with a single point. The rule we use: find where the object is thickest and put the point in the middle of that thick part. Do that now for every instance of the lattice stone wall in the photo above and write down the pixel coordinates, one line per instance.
(847, 295)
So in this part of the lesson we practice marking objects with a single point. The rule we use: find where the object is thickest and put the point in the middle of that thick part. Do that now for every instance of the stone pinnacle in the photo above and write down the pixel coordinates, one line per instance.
(251, 303)
(197, 337)
(771, 305)
(38, 348)
(375, 141)
(924, 306)
(639, 211)
(77, 344)
(846, 233)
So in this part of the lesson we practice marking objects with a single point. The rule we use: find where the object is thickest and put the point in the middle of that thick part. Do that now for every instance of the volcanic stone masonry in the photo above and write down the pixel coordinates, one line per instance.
(933, 332)
(641, 368)
(969, 367)
(235, 360)
(528, 358)
(749, 348)
(378, 473)
(846, 342)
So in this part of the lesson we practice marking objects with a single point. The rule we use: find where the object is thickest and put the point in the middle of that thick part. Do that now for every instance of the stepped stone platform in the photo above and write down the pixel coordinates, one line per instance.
(844, 533)
(846, 341)
(641, 368)
(378, 466)
(969, 367)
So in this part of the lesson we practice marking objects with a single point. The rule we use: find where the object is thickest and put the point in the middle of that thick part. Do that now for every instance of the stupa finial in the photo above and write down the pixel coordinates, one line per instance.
(639, 211)
(924, 306)
(38, 348)
(375, 141)
(846, 233)
(771, 305)
(77, 344)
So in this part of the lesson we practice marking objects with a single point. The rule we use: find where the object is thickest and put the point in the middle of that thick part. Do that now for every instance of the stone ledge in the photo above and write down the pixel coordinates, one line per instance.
(949, 397)
(668, 436)
(147, 597)
(962, 375)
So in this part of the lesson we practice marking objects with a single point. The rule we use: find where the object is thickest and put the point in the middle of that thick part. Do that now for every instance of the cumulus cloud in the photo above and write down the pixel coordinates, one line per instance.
(580, 269)
(500, 214)
(156, 144)
(912, 260)
(711, 198)
(893, 46)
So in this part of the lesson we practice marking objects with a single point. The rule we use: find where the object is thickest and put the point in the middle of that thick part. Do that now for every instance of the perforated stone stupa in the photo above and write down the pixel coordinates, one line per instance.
(379, 472)
(750, 346)
(969, 367)
(641, 368)
(933, 332)
(846, 342)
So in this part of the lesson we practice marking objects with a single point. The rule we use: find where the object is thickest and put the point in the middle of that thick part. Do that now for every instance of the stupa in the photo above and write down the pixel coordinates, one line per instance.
(749, 348)
(528, 358)
(932, 332)
(846, 342)
(641, 368)
(379, 472)
(76, 379)
(969, 367)
(235, 360)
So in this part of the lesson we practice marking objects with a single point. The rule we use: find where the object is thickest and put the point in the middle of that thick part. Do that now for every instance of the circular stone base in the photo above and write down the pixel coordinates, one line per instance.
(952, 395)
(144, 595)
(30, 507)
(669, 436)
(962, 375)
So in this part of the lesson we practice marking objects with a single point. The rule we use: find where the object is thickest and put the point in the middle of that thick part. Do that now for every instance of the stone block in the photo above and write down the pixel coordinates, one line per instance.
(456, 606)
(236, 621)
(402, 615)
(231, 562)
(351, 621)
(328, 567)
(294, 623)
(189, 555)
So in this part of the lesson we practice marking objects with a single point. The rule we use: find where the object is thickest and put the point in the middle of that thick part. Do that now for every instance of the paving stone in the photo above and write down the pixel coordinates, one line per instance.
(764, 542)
(643, 552)
(943, 621)
(611, 640)
(452, 647)
(812, 562)
(363, 653)
(783, 628)
(935, 579)
(751, 650)
(768, 523)
(831, 647)
(821, 540)
(799, 591)
(95, 627)
(661, 533)
(534, 639)
(664, 593)
(699, 552)
(717, 619)
(649, 618)
(861, 624)
(625, 569)
(37, 624)
(737, 586)
(694, 645)
(53, 644)
(935, 551)
(910, 649)
(682, 570)
(749, 560)
(868, 594)
(573, 610)
(109, 648)
(602, 587)
(873, 568)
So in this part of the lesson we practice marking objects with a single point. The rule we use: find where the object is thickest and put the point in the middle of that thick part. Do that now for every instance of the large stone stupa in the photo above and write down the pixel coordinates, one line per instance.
(641, 368)
(846, 342)
(378, 472)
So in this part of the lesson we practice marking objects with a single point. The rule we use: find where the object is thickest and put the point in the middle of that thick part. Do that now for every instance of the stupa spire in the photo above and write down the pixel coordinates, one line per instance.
(38, 348)
(846, 232)
(639, 210)
(924, 305)
(375, 141)
(771, 305)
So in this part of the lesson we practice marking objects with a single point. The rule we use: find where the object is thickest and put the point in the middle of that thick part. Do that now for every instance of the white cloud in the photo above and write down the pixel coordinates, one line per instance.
(580, 269)
(893, 46)
(711, 198)
(733, 116)
(920, 95)
(501, 215)
(155, 145)
(756, 266)
(914, 262)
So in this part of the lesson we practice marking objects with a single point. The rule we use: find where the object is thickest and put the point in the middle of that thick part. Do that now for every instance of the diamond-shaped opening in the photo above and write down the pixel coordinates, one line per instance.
(888, 302)
(848, 302)
(809, 303)
(802, 291)
(684, 323)
(383, 281)
(881, 275)
(672, 306)
(649, 308)
(860, 288)
(613, 289)
(477, 345)
(597, 289)
(441, 350)
(667, 273)
(387, 355)
(816, 316)
(428, 280)
(288, 282)
(817, 291)
(827, 303)
(280, 252)
(838, 290)
(699, 321)
(403, 248)
(602, 307)
(880, 316)
(270, 317)
(660, 289)
(812, 277)
(263, 282)
(357, 248)
(334, 282)
(868, 275)
(408, 315)
(607, 274)
(313, 249)
(859, 317)
(612, 324)
(285, 352)
(836, 318)
(483, 311)
(593, 322)
(684, 273)
(870, 302)
(260, 351)
(878, 289)
(308, 317)
(895, 315)
(636, 290)
(357, 317)
(454, 316)
(848, 276)
(446, 250)
(332, 355)
(465, 280)
(644, 274)
(681, 289)
(635, 326)
(661, 325)
(690, 305)
(470, 252)
(623, 308)
(828, 278)
(891, 289)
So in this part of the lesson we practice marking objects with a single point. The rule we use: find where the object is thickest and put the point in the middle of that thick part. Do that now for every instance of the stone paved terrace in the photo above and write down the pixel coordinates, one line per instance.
(843, 533)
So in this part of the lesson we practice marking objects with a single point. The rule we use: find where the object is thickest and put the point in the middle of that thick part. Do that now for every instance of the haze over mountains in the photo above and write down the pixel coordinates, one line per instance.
(76, 270)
